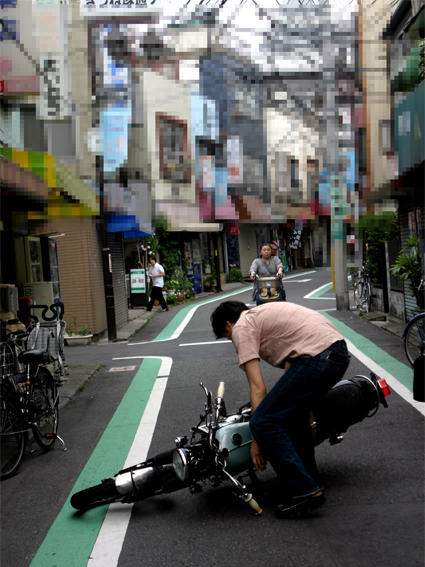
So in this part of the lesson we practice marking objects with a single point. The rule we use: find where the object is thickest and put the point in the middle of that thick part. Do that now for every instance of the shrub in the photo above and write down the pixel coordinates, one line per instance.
(235, 275)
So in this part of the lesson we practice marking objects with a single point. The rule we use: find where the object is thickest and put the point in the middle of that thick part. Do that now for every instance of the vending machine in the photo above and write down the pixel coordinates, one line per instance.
(192, 253)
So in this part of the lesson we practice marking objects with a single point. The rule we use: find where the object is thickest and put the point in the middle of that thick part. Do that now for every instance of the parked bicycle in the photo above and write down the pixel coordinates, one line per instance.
(29, 401)
(363, 291)
(50, 331)
(414, 332)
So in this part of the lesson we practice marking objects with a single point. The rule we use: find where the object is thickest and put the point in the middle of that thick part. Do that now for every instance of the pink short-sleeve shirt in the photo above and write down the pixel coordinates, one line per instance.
(280, 331)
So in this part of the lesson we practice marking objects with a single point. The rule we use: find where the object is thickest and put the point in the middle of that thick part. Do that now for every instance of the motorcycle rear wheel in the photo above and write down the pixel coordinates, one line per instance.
(99, 495)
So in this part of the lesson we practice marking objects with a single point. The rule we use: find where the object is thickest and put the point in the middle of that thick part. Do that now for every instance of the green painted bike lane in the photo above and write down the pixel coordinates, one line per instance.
(401, 372)
(73, 535)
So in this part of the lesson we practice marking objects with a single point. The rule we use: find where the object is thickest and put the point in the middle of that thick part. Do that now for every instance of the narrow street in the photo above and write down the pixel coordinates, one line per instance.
(374, 480)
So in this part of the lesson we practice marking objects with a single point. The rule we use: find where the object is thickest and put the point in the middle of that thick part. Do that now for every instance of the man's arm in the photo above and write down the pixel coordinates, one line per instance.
(258, 392)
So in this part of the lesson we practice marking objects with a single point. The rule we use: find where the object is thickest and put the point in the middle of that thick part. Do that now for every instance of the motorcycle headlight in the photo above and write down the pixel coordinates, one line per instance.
(181, 463)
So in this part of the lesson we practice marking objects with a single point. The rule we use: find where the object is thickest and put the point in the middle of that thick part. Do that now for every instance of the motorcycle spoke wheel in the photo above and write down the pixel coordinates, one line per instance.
(104, 493)
(45, 410)
(12, 439)
(414, 340)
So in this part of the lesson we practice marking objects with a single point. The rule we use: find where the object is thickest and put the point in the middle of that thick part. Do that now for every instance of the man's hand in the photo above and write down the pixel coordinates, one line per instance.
(257, 457)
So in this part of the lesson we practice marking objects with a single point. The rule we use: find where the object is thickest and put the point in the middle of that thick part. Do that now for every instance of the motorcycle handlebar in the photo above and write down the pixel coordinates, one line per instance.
(221, 390)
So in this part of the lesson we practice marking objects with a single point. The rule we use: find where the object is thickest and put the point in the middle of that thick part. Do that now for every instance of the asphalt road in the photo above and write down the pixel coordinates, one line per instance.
(374, 513)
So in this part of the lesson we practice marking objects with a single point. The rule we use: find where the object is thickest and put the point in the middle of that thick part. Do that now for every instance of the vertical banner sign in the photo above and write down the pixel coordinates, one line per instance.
(50, 21)
(234, 161)
(114, 134)
(295, 242)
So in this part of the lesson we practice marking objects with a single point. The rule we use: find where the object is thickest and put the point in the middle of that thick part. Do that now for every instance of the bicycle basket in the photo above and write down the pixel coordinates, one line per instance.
(268, 287)
(52, 334)
(7, 361)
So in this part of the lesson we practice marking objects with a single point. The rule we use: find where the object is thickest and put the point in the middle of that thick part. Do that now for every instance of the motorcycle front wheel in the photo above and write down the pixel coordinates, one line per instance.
(104, 493)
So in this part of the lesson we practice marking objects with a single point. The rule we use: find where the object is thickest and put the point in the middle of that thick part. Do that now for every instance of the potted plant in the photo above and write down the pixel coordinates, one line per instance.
(408, 267)
(211, 282)
(78, 337)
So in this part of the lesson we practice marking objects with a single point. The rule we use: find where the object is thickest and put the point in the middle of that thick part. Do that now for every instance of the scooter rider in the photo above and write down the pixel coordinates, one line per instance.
(267, 265)
(315, 356)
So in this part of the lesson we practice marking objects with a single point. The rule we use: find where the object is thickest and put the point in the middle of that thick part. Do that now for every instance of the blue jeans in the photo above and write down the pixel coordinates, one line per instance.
(280, 424)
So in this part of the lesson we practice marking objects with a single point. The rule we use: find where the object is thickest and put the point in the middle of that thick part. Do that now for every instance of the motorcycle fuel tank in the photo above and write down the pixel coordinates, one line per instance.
(237, 439)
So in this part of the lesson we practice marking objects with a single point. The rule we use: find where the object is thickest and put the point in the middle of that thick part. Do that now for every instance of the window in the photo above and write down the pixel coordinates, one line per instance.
(173, 149)
(385, 136)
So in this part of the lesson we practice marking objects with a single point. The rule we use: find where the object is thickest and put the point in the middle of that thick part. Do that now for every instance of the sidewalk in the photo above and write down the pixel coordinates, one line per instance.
(138, 318)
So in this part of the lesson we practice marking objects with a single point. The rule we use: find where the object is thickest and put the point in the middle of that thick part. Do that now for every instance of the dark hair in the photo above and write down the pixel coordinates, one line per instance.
(226, 311)
(152, 256)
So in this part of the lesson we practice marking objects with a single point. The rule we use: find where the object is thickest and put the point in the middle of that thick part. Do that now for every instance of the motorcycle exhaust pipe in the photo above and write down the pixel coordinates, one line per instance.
(135, 480)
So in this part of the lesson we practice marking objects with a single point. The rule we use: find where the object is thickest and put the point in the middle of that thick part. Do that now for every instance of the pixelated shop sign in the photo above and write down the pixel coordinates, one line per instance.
(129, 8)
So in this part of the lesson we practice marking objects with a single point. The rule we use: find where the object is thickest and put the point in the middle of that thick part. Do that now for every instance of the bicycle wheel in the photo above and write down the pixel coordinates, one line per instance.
(414, 338)
(12, 438)
(367, 298)
(44, 409)
(104, 493)
(358, 294)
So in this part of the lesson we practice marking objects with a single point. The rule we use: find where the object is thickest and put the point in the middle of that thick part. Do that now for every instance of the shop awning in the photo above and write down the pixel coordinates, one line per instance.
(23, 186)
(178, 217)
(67, 195)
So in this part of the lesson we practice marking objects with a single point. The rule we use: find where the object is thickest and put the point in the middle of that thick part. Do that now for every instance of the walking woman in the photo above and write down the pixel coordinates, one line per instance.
(156, 272)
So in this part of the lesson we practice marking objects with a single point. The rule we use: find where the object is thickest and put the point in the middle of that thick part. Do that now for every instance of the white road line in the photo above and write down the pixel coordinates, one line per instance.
(401, 390)
(106, 551)
(308, 296)
(188, 317)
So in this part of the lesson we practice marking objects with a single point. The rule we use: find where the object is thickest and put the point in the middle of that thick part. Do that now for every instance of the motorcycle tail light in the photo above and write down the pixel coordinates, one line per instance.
(181, 464)
(384, 387)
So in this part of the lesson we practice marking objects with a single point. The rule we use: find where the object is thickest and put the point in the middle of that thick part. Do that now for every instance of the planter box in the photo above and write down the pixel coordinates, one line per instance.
(78, 340)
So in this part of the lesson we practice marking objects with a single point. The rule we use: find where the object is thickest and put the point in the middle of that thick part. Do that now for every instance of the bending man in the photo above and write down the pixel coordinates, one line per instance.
(315, 355)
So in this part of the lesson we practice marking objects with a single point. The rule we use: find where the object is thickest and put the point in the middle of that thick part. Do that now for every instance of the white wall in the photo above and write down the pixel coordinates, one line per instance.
(164, 95)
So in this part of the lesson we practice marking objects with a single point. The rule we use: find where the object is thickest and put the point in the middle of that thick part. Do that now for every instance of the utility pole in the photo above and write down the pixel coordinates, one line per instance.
(106, 255)
(332, 157)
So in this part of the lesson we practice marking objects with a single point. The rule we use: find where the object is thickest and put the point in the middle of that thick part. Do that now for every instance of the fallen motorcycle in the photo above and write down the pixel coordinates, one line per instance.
(220, 447)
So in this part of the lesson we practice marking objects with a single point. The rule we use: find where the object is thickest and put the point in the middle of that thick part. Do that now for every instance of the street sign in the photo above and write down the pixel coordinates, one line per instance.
(138, 281)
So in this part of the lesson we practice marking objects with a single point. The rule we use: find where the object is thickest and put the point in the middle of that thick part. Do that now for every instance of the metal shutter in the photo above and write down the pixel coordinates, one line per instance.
(118, 278)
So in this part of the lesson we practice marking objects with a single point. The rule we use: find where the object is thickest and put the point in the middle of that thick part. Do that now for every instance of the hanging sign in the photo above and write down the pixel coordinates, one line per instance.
(129, 8)
(295, 239)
